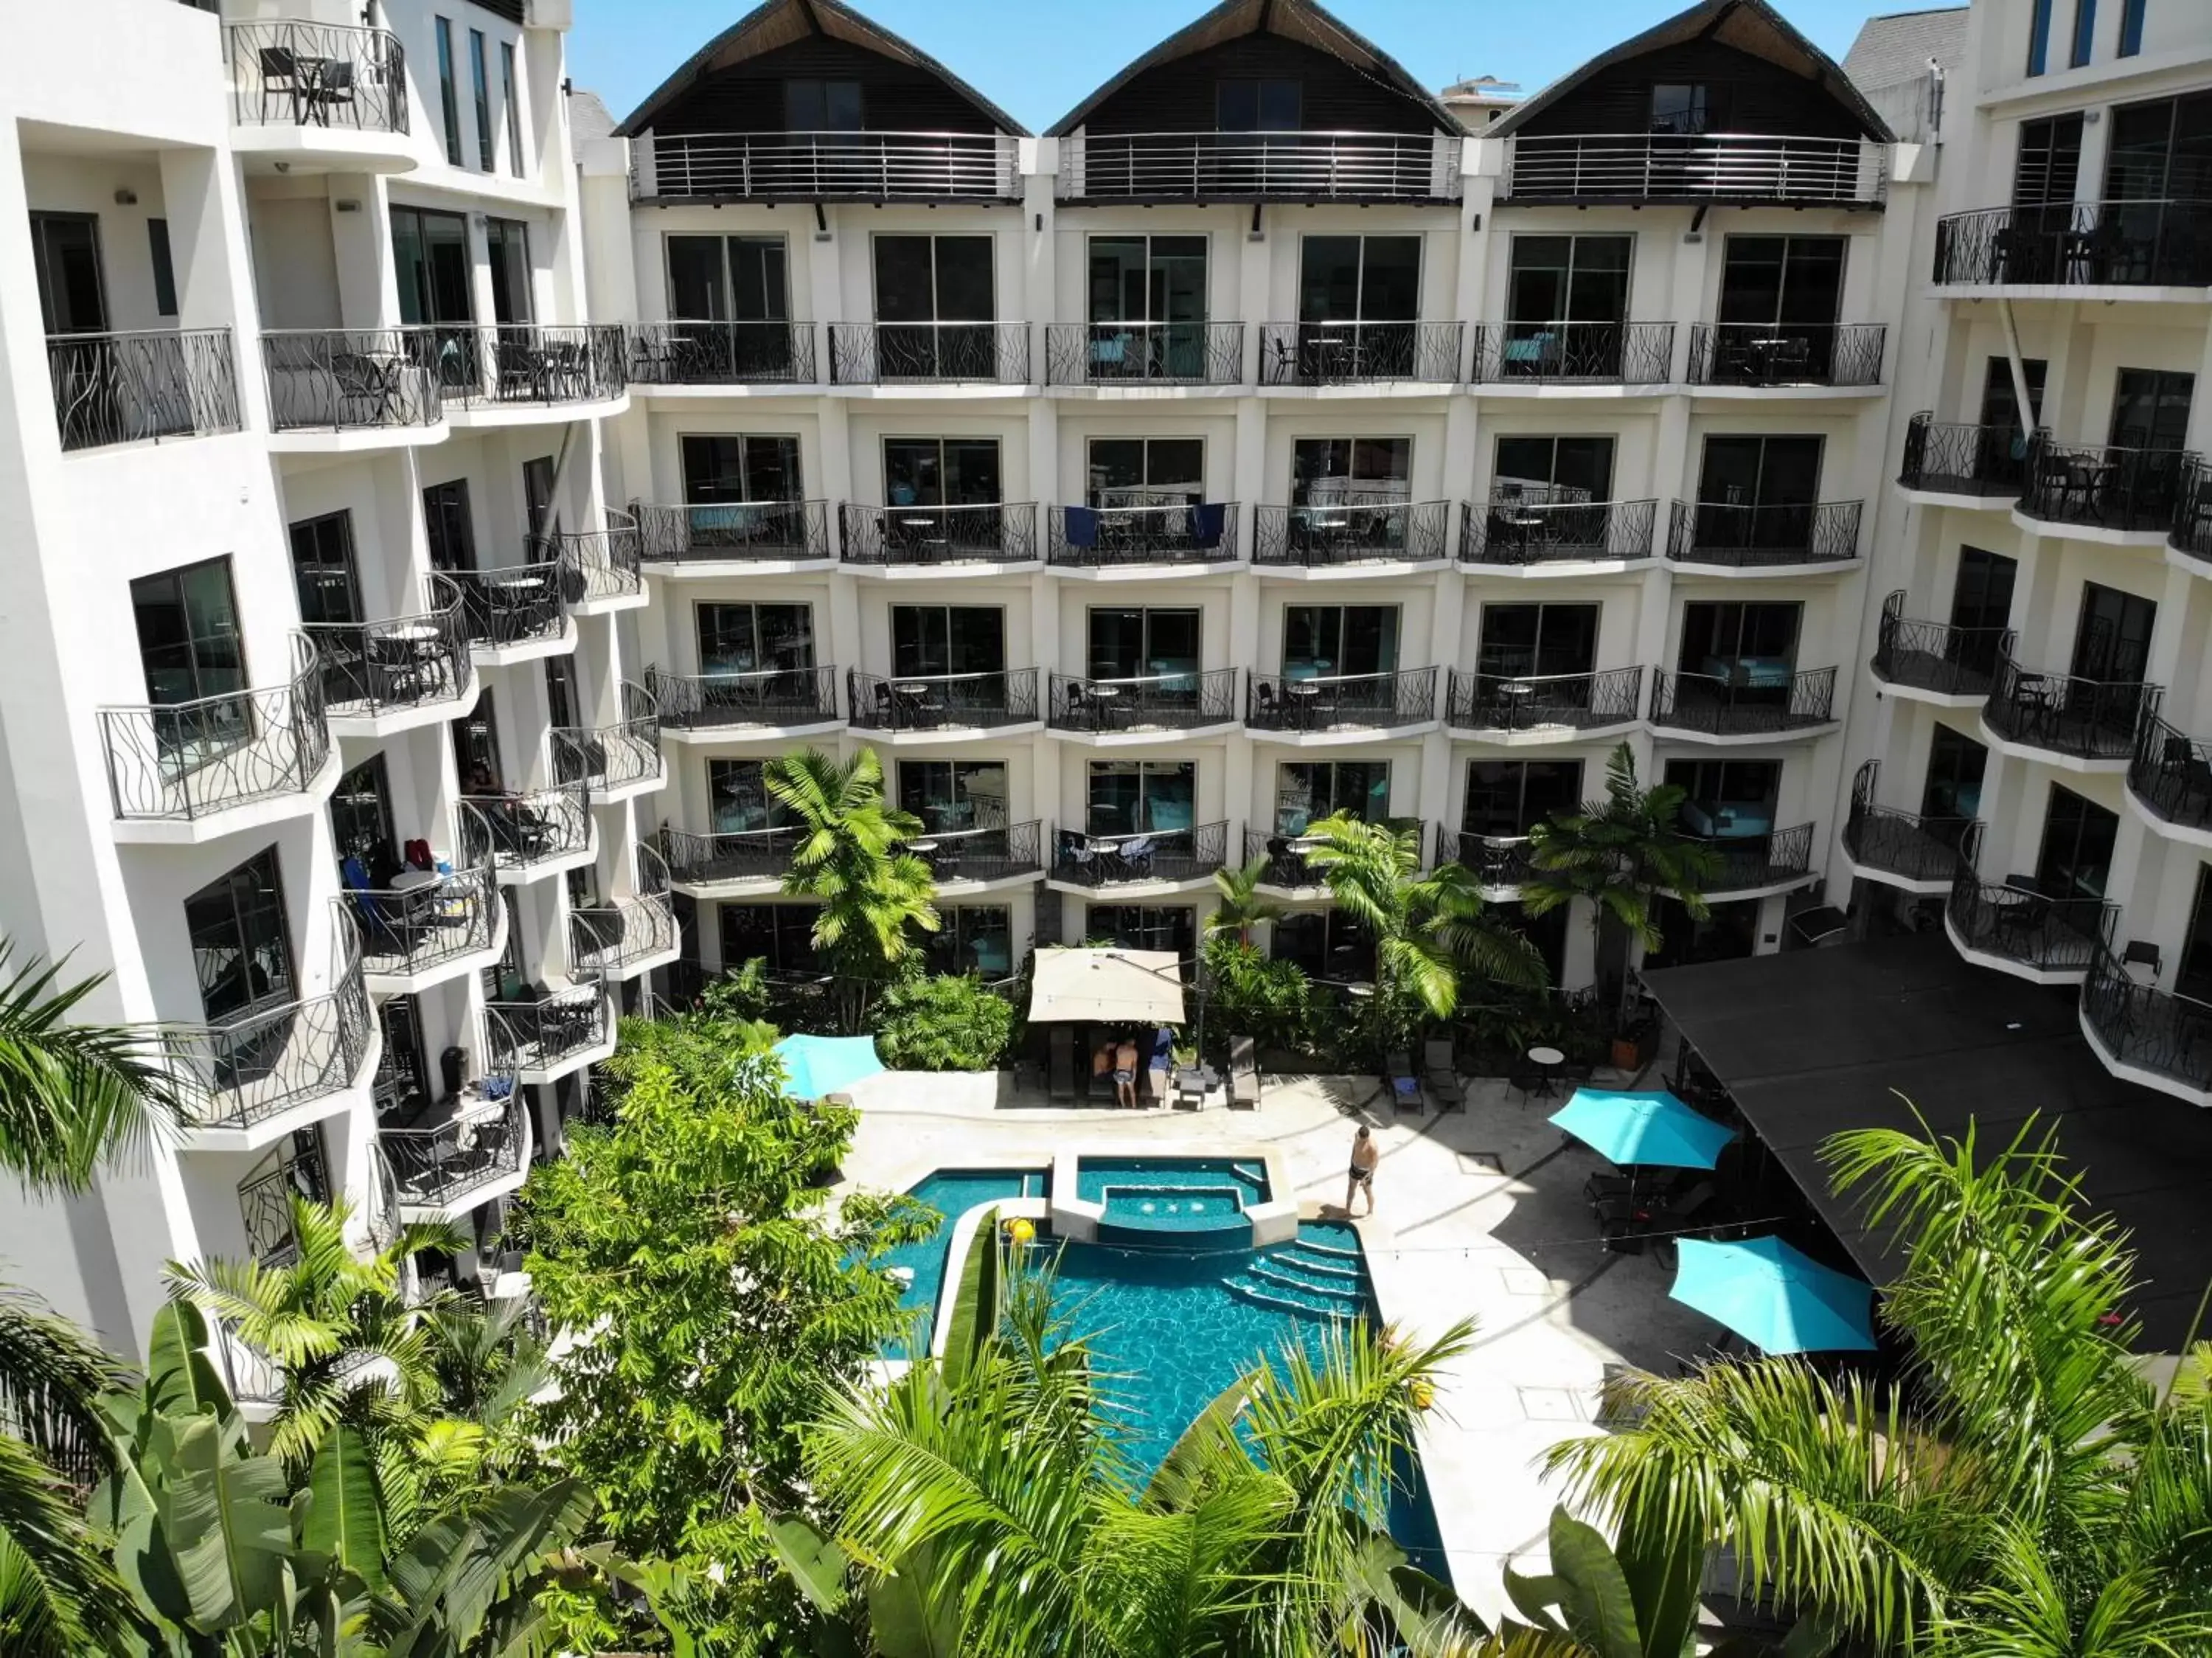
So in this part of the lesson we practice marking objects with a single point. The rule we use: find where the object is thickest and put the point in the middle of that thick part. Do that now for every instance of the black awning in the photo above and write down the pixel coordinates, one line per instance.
(1814, 1041)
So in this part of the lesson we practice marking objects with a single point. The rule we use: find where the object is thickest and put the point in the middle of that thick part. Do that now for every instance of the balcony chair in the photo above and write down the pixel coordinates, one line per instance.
(280, 74)
(332, 88)
(1534, 356)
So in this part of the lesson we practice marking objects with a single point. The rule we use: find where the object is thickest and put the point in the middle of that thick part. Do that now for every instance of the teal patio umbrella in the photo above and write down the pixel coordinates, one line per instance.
(816, 1066)
(1776, 1298)
(1652, 1128)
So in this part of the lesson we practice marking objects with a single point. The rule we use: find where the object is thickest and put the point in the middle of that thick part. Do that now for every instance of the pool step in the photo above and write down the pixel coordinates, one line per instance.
(1329, 1265)
(1330, 1250)
(1272, 1274)
(1290, 1299)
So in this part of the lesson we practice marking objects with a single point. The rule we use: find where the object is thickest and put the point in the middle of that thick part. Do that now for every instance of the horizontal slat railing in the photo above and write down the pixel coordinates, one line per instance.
(1694, 167)
(1339, 166)
(825, 166)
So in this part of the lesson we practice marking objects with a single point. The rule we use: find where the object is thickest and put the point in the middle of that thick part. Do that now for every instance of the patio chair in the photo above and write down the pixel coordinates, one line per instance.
(1405, 1086)
(280, 74)
(1244, 1074)
(1440, 1072)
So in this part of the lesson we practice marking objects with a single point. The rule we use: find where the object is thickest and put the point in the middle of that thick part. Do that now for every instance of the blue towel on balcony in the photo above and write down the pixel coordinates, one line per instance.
(1207, 521)
(1080, 526)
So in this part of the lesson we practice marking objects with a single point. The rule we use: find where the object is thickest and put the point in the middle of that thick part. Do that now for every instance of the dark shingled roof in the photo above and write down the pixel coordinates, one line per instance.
(1814, 1041)
(1898, 47)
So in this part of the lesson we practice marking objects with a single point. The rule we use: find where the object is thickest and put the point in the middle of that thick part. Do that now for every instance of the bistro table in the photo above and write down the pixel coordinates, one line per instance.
(1106, 699)
(1308, 701)
(914, 700)
(1547, 1060)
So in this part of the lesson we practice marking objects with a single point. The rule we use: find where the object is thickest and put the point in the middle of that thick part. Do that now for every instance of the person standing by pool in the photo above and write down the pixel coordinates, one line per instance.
(1365, 1154)
(1125, 1073)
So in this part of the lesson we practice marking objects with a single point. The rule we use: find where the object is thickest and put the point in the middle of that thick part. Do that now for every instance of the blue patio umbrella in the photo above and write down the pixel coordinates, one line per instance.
(816, 1066)
(1774, 1296)
(1652, 1128)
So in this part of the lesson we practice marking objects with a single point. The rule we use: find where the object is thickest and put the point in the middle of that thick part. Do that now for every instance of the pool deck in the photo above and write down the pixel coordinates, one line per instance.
(1480, 1214)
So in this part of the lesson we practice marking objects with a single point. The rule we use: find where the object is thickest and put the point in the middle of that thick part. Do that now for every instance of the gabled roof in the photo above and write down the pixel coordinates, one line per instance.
(779, 23)
(1750, 27)
(1898, 47)
(1293, 20)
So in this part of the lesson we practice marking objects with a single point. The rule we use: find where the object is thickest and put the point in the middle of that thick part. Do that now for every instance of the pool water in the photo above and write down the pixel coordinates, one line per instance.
(1096, 1176)
(952, 1192)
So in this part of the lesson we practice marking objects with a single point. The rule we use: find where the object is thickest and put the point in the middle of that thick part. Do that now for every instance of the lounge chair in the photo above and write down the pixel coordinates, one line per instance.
(1405, 1086)
(1244, 1074)
(1441, 1073)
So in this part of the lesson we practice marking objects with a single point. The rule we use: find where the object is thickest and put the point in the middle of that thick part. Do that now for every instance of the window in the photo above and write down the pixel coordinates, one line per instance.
(779, 935)
(165, 269)
(241, 945)
(939, 471)
(932, 640)
(323, 568)
(1507, 798)
(1333, 640)
(2085, 32)
(1332, 471)
(815, 106)
(1951, 795)
(1782, 281)
(1143, 644)
(1727, 800)
(507, 244)
(361, 821)
(1568, 279)
(2161, 151)
(402, 1081)
(1257, 106)
(1725, 640)
(1678, 107)
(560, 693)
(737, 798)
(971, 938)
(1553, 468)
(189, 640)
(952, 795)
(1306, 793)
(1981, 594)
(449, 103)
(2194, 978)
(1138, 796)
(2001, 400)
(2150, 408)
(728, 279)
(1144, 927)
(537, 496)
(475, 748)
(2049, 161)
(2038, 37)
(2131, 27)
(2076, 858)
(430, 256)
(1360, 278)
(1329, 946)
(921, 279)
(447, 522)
(1145, 471)
(730, 468)
(2112, 642)
(480, 84)
(1760, 472)
(511, 105)
(755, 638)
(1519, 641)
(66, 248)
(1149, 279)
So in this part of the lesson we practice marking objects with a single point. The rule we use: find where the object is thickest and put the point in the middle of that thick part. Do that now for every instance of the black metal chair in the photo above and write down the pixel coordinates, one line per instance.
(280, 74)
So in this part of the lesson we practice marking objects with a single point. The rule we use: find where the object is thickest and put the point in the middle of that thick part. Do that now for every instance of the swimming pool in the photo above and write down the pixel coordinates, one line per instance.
(952, 1193)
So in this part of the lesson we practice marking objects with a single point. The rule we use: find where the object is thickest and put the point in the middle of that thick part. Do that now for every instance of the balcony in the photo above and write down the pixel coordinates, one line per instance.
(506, 366)
(327, 76)
(452, 1156)
(558, 1031)
(1359, 353)
(2020, 929)
(1347, 531)
(942, 702)
(532, 834)
(2191, 532)
(2129, 491)
(633, 933)
(807, 167)
(1178, 533)
(1144, 354)
(1593, 168)
(1498, 862)
(2087, 720)
(2150, 244)
(375, 672)
(744, 855)
(1524, 531)
(141, 388)
(775, 699)
(1251, 166)
(612, 759)
(1573, 353)
(179, 765)
(2140, 1028)
(1942, 458)
(517, 610)
(1752, 697)
(721, 353)
(408, 932)
(1146, 706)
(1347, 705)
(1287, 870)
(989, 533)
(1544, 707)
(347, 379)
(1764, 537)
(1761, 862)
(599, 568)
(1157, 857)
(247, 1074)
(929, 353)
(1786, 354)
(2170, 775)
(1011, 851)
(1917, 853)
(731, 533)
(1935, 657)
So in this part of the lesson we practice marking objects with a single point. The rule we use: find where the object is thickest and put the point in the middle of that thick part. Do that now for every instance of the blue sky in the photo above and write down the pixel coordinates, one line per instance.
(1037, 58)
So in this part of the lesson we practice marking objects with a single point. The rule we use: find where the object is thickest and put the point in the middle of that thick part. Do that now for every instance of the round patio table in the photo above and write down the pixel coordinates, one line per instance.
(1548, 1060)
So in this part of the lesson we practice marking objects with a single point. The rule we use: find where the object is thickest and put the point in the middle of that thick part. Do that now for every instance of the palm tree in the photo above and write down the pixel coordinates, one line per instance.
(1243, 906)
(1621, 853)
(874, 897)
(2025, 1491)
(1428, 931)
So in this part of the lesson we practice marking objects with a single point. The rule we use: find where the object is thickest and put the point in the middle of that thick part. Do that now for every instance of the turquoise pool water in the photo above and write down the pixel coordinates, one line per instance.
(952, 1192)
(1095, 1176)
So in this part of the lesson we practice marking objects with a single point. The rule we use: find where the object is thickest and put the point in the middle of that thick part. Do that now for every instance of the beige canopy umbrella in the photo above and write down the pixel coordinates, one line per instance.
(1135, 987)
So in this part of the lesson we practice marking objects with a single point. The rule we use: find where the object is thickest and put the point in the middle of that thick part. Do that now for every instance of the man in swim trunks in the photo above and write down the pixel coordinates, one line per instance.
(1365, 1154)
(1125, 1074)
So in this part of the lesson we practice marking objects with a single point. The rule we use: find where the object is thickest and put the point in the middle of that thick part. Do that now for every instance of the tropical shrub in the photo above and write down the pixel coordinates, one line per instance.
(1249, 995)
(946, 1022)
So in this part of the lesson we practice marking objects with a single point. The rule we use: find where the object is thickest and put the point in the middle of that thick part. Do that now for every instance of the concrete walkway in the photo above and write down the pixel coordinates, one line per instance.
(1479, 1214)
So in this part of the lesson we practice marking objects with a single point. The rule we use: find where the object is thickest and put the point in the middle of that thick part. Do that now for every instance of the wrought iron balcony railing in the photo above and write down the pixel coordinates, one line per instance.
(1350, 530)
(484, 1138)
(320, 75)
(611, 756)
(799, 166)
(721, 353)
(2102, 488)
(528, 830)
(1156, 702)
(774, 697)
(371, 668)
(556, 1026)
(2012, 920)
(999, 852)
(2088, 719)
(1279, 702)
(596, 564)
(1786, 353)
(1493, 860)
(1171, 533)
(271, 1057)
(516, 604)
(183, 761)
(1087, 860)
(413, 928)
(719, 532)
(996, 532)
(1143, 353)
(2170, 773)
(2162, 1032)
(1904, 843)
(929, 353)
(1285, 855)
(1695, 167)
(1954, 459)
(2192, 531)
(134, 387)
(1527, 529)
(1952, 661)
(346, 379)
(611, 939)
(485, 364)
(1209, 167)
(2161, 244)
(937, 702)
(1592, 353)
(1752, 694)
(736, 854)
(1748, 862)
(1535, 701)
(1352, 353)
(1792, 533)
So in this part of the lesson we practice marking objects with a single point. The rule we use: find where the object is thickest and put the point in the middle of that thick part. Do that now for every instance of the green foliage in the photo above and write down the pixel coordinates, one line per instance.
(1243, 905)
(1249, 995)
(948, 1022)
(741, 993)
